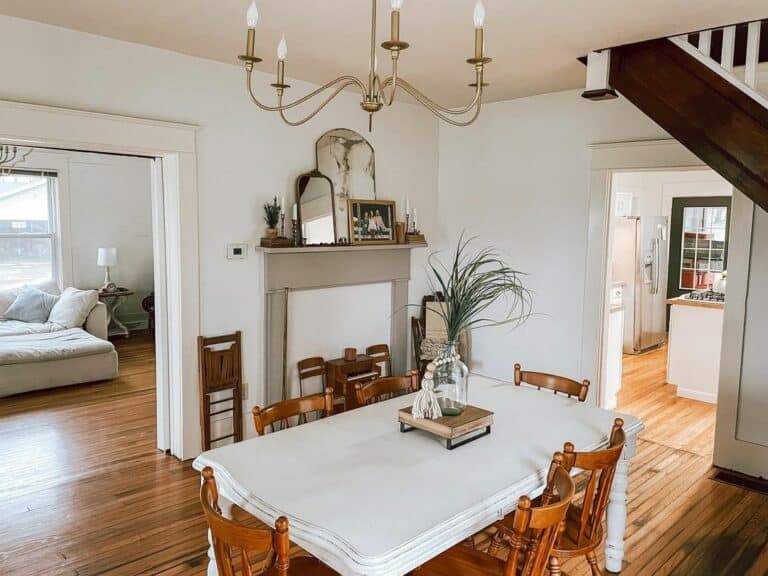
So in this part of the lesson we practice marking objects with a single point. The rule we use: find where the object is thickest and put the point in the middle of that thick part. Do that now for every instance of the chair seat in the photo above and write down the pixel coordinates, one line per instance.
(462, 560)
(304, 566)
(567, 544)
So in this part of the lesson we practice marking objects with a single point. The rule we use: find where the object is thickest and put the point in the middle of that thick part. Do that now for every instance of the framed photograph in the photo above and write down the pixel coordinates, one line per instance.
(371, 221)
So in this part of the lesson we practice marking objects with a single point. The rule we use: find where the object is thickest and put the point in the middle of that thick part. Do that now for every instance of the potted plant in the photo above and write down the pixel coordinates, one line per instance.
(471, 283)
(272, 217)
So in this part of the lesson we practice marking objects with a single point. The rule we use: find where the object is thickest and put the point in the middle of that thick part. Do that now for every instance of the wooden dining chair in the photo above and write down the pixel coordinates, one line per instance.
(298, 408)
(582, 531)
(311, 368)
(386, 388)
(558, 384)
(235, 545)
(381, 356)
(532, 533)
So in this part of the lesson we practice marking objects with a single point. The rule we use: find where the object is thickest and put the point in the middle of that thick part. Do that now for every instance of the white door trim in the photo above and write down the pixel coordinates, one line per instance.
(605, 160)
(174, 143)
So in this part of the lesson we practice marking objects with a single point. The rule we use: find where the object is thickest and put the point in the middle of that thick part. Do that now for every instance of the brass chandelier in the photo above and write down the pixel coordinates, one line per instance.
(376, 93)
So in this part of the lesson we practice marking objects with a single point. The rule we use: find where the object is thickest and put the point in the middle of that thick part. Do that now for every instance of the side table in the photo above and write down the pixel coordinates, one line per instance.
(113, 300)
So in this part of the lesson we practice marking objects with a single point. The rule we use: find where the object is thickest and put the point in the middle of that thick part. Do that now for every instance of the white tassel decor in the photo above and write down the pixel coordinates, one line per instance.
(425, 406)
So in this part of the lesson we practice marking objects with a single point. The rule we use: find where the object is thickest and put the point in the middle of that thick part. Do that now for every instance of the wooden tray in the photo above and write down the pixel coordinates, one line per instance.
(451, 428)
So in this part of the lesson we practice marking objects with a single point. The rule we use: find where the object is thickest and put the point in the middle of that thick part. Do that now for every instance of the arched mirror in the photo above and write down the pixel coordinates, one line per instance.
(347, 159)
(315, 209)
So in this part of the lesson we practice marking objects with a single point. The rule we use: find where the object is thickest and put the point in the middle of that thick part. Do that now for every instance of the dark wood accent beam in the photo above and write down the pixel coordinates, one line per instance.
(718, 122)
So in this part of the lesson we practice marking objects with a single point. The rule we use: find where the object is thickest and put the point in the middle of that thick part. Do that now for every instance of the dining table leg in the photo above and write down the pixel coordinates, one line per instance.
(617, 510)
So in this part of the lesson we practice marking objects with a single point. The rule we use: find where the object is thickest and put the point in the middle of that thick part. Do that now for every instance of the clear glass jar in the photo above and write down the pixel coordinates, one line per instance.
(451, 381)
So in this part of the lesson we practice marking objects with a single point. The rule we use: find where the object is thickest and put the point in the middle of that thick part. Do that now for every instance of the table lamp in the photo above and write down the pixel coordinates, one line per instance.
(107, 257)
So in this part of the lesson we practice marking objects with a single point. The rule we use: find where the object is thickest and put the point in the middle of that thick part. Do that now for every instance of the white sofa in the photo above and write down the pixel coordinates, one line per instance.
(37, 356)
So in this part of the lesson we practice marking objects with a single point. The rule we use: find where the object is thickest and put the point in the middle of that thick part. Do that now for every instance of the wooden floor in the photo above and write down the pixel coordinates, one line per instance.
(85, 493)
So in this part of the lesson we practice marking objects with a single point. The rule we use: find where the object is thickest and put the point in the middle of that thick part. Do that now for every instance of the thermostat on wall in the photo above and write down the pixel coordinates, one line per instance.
(237, 251)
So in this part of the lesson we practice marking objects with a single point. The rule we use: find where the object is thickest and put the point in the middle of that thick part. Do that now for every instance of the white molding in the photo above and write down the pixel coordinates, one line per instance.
(697, 395)
(35, 125)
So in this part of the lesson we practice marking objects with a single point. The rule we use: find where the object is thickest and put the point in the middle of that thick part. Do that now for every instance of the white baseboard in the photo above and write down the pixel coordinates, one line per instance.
(697, 395)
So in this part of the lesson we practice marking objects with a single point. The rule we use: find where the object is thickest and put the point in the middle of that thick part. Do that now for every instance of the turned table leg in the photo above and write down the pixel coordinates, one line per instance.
(617, 511)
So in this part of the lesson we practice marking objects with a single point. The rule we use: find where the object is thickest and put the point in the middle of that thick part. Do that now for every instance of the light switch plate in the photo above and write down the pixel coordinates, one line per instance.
(237, 251)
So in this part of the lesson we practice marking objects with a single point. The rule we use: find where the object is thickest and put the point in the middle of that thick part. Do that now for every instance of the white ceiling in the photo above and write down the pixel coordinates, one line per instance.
(534, 43)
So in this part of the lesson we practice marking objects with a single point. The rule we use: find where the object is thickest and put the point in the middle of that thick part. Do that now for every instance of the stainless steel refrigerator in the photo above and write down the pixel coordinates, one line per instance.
(640, 264)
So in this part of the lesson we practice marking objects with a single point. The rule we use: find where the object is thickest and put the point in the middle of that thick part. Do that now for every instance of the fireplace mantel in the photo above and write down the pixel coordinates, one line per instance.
(288, 270)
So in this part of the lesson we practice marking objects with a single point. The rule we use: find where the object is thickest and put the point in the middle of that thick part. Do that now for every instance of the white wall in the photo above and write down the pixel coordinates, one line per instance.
(245, 156)
(520, 179)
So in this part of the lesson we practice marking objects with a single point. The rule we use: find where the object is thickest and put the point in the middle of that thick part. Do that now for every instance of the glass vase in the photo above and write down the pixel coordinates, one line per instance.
(451, 381)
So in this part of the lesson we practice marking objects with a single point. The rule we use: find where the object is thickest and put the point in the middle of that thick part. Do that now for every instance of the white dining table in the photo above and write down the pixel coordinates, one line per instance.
(369, 500)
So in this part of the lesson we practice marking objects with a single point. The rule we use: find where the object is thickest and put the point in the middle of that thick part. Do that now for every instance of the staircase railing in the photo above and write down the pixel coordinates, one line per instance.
(725, 52)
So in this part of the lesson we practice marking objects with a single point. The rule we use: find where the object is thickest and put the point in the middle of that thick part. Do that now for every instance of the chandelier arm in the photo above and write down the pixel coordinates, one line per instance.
(412, 90)
(349, 80)
(427, 103)
(322, 105)
(391, 81)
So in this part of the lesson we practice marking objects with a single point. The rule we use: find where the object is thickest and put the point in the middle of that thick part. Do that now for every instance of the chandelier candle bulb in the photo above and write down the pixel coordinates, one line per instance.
(282, 49)
(395, 27)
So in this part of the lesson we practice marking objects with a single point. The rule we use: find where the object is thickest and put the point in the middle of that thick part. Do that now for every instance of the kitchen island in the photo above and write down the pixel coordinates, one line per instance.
(695, 340)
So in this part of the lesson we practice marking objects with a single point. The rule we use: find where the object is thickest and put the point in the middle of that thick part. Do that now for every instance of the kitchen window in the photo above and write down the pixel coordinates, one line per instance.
(28, 235)
(698, 243)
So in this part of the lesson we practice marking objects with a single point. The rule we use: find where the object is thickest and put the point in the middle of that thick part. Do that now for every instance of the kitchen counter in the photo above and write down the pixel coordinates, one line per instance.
(695, 340)
(701, 303)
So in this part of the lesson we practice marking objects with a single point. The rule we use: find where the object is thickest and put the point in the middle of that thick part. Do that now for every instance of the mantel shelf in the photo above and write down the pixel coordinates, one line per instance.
(316, 249)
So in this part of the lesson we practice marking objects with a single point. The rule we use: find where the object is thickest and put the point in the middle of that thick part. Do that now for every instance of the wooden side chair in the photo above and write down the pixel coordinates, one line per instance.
(311, 368)
(298, 408)
(221, 384)
(533, 532)
(386, 388)
(234, 544)
(582, 531)
(380, 355)
(558, 384)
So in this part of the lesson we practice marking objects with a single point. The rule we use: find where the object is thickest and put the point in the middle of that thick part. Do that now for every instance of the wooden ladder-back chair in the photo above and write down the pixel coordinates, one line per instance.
(311, 368)
(583, 532)
(234, 544)
(298, 408)
(532, 534)
(221, 380)
(386, 388)
(558, 384)
(380, 355)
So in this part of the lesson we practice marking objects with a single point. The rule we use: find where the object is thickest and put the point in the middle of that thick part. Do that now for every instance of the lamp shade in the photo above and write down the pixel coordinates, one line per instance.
(107, 257)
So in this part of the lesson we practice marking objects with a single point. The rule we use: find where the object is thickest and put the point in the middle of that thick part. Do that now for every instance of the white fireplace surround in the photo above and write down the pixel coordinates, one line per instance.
(287, 270)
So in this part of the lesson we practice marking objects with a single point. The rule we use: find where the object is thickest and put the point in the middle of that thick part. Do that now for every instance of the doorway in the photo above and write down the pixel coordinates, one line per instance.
(665, 271)
(173, 144)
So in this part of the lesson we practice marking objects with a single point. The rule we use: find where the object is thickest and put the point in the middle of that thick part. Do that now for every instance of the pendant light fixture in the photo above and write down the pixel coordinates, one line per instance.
(376, 92)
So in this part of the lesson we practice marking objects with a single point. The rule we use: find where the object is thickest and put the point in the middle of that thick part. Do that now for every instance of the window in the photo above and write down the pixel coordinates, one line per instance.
(704, 246)
(28, 243)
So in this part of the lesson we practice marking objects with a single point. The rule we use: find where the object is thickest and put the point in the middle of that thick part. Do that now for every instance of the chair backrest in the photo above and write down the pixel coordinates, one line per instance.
(385, 388)
(298, 408)
(601, 467)
(380, 355)
(233, 542)
(310, 368)
(558, 384)
(535, 530)
(221, 380)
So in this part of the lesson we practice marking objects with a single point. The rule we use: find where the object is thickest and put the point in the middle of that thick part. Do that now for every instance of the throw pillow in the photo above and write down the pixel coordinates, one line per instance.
(31, 305)
(73, 307)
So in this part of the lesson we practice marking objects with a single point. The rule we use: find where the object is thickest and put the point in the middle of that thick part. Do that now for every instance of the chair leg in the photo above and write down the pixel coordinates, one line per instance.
(496, 543)
(592, 559)
(554, 566)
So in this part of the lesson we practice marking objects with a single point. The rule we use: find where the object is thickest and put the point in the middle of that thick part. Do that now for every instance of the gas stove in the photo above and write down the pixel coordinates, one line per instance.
(706, 296)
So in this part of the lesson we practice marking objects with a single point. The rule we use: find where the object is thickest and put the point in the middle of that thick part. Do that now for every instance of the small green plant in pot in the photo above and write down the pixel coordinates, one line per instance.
(471, 284)
(272, 217)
